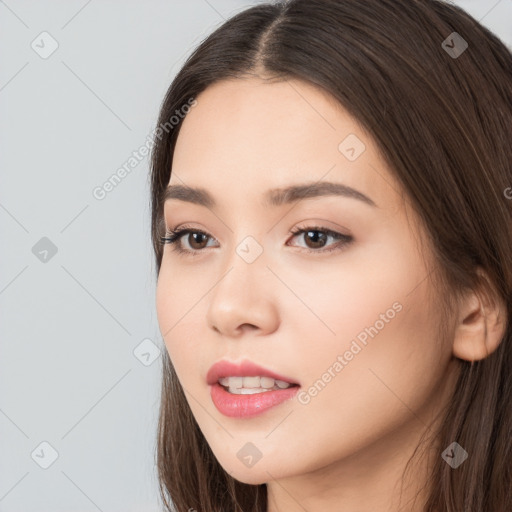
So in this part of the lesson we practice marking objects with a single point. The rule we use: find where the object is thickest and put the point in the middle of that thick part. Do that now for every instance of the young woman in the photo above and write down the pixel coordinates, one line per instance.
(331, 220)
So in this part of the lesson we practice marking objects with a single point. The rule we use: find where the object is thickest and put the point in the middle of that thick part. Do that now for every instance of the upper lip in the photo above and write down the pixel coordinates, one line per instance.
(245, 368)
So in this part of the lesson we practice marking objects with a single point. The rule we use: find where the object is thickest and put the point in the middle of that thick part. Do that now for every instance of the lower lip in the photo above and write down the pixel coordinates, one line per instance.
(244, 406)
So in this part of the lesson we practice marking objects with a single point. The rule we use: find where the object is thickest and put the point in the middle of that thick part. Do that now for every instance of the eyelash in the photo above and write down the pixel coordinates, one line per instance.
(173, 237)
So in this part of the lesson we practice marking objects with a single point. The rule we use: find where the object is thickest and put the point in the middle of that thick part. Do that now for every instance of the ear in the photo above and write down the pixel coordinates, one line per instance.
(481, 322)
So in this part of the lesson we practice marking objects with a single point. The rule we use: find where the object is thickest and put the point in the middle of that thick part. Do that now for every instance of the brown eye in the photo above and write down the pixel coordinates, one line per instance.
(196, 238)
(316, 238)
(317, 241)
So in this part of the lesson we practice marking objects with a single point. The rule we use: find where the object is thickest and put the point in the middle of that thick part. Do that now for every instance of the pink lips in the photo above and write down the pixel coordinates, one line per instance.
(244, 406)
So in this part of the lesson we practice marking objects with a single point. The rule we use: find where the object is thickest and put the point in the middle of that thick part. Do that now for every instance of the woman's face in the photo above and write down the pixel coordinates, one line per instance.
(348, 319)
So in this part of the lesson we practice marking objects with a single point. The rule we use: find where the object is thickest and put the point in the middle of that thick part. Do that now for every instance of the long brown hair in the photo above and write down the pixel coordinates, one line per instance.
(443, 121)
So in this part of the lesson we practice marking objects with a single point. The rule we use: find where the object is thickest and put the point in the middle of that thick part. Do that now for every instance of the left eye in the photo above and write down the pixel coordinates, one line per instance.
(312, 235)
(318, 236)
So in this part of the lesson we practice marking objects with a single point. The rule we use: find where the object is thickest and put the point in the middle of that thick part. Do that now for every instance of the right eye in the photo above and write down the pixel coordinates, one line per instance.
(174, 237)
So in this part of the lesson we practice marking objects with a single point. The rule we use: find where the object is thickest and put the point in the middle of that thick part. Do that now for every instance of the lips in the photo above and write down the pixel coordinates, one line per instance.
(246, 368)
(248, 406)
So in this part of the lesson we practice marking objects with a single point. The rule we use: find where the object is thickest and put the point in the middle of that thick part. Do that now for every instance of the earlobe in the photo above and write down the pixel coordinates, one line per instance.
(481, 325)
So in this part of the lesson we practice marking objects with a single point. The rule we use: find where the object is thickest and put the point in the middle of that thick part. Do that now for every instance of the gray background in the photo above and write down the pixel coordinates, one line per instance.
(73, 372)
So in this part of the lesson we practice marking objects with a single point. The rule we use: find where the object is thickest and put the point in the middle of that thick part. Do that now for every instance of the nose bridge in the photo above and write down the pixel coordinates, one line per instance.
(247, 254)
(243, 295)
(245, 269)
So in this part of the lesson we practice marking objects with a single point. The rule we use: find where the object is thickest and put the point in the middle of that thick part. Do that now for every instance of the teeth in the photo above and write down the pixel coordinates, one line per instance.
(267, 382)
(251, 382)
(224, 381)
(250, 385)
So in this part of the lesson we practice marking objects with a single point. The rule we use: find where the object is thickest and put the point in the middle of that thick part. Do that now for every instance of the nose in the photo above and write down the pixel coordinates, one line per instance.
(244, 300)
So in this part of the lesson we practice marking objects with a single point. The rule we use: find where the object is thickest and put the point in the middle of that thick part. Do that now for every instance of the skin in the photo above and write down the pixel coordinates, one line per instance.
(294, 312)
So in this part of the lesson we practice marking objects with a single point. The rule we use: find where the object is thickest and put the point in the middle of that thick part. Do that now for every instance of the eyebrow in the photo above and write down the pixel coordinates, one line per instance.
(274, 197)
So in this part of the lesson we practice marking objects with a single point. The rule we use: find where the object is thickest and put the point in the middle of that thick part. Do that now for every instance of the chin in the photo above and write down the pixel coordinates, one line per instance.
(250, 478)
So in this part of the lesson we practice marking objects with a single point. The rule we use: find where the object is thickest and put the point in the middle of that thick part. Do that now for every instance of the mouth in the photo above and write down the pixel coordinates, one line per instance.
(238, 385)
(246, 377)
(249, 402)
(246, 389)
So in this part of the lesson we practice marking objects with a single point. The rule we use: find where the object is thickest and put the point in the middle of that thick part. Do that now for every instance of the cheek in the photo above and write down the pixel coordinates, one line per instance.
(384, 355)
(374, 314)
(395, 372)
(177, 306)
(165, 306)
(342, 299)
(178, 295)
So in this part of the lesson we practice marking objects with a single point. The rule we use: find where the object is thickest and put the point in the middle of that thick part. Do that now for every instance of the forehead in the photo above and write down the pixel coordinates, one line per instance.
(248, 136)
